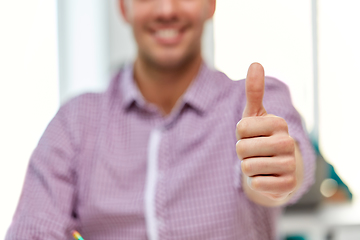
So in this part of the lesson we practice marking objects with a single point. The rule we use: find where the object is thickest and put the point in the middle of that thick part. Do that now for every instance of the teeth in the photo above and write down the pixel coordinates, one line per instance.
(167, 33)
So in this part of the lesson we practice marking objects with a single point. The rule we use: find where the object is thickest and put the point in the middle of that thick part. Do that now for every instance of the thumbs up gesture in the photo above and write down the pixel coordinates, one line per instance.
(266, 150)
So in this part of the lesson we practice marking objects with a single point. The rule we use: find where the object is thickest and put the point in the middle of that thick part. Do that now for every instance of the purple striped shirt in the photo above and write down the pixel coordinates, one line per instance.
(112, 167)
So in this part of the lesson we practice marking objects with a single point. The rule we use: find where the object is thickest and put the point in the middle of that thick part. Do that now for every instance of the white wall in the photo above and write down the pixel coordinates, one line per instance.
(121, 41)
(83, 46)
(28, 90)
(276, 33)
(339, 84)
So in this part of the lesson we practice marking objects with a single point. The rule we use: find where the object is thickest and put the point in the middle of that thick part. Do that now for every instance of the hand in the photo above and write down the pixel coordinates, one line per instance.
(266, 150)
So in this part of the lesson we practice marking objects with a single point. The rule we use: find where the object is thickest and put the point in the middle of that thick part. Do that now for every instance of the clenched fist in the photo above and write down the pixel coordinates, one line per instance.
(266, 150)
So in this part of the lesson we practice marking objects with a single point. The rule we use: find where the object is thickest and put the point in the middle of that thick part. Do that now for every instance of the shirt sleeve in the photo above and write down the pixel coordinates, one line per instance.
(277, 101)
(46, 203)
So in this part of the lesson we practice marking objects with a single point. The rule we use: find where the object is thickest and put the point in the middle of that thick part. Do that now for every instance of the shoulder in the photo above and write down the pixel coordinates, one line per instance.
(225, 86)
(277, 94)
(85, 111)
(273, 84)
(82, 106)
(227, 95)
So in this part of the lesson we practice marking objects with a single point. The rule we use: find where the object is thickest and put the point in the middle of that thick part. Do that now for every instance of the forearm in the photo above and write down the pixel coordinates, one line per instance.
(268, 202)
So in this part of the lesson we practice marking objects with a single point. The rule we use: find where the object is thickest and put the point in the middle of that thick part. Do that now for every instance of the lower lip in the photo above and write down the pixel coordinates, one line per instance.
(169, 41)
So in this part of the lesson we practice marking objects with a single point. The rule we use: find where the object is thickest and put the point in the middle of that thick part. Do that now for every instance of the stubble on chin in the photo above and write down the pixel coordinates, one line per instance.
(170, 63)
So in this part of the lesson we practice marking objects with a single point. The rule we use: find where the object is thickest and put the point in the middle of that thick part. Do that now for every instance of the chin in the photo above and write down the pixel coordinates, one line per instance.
(168, 59)
(173, 61)
(170, 63)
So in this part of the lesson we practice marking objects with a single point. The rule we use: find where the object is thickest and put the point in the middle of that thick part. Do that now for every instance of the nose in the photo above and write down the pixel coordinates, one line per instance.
(166, 9)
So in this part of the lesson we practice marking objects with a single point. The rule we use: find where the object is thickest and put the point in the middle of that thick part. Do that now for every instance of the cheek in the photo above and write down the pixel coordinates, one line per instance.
(197, 19)
(139, 17)
(197, 27)
(139, 29)
(196, 10)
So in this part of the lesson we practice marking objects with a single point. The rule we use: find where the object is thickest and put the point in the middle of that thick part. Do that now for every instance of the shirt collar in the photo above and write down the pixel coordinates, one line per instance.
(198, 95)
(130, 92)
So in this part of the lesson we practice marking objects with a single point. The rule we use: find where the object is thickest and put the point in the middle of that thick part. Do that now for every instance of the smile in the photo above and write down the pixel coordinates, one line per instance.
(167, 33)
(168, 36)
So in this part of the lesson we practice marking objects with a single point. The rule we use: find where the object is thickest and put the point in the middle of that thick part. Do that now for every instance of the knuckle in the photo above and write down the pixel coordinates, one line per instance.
(285, 144)
(290, 183)
(280, 124)
(290, 165)
(246, 168)
(291, 143)
(240, 149)
(278, 145)
(241, 127)
(255, 184)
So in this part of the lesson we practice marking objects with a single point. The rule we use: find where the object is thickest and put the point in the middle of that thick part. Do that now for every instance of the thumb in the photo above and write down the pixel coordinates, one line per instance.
(254, 88)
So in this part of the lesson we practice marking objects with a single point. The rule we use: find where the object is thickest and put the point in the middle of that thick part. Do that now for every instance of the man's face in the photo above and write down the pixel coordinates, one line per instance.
(168, 32)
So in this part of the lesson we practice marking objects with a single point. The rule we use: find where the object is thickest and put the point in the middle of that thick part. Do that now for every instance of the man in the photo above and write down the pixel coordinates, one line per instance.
(156, 157)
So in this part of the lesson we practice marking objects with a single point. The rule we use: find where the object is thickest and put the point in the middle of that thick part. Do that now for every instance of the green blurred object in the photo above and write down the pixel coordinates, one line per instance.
(295, 237)
(331, 171)
(313, 198)
(333, 175)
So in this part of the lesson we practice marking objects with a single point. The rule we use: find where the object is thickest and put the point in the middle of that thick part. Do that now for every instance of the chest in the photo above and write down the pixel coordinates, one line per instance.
(196, 176)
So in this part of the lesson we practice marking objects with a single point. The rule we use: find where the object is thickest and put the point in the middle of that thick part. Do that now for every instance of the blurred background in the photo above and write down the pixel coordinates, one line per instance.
(52, 50)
